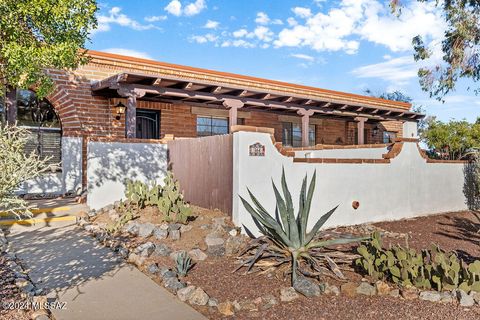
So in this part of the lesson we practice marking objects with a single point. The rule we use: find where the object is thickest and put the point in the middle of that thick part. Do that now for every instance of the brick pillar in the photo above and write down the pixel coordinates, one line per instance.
(131, 113)
(305, 125)
(361, 129)
(232, 105)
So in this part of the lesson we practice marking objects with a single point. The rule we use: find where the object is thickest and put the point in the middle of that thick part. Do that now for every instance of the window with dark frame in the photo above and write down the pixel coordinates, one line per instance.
(211, 125)
(292, 134)
(148, 124)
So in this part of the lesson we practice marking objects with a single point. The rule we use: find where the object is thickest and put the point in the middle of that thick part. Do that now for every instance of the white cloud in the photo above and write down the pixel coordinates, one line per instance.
(211, 24)
(174, 8)
(240, 33)
(155, 18)
(195, 8)
(303, 57)
(398, 71)
(128, 52)
(302, 12)
(262, 18)
(204, 38)
(238, 43)
(263, 33)
(115, 16)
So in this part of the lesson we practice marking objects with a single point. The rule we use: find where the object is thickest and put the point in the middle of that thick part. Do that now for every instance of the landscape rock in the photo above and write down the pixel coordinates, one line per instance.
(349, 289)
(269, 301)
(131, 227)
(306, 286)
(382, 288)
(366, 289)
(172, 284)
(394, 293)
(153, 269)
(136, 259)
(432, 296)
(212, 302)
(226, 308)
(331, 289)
(92, 228)
(185, 293)
(123, 252)
(220, 221)
(162, 250)
(160, 233)
(185, 228)
(215, 244)
(113, 214)
(464, 299)
(233, 232)
(174, 226)
(145, 230)
(476, 296)
(174, 234)
(198, 297)
(166, 273)
(247, 305)
(197, 255)
(24, 285)
(288, 294)
(234, 245)
(409, 293)
(146, 249)
(236, 305)
(446, 297)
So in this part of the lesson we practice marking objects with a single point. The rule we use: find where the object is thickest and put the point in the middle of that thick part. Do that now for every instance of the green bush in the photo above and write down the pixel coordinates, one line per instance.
(428, 269)
(167, 198)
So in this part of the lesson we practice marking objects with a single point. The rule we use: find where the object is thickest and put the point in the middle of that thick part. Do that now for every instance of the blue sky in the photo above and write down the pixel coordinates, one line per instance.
(346, 45)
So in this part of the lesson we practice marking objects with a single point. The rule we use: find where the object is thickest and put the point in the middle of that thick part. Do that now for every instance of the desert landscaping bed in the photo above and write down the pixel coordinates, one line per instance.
(219, 292)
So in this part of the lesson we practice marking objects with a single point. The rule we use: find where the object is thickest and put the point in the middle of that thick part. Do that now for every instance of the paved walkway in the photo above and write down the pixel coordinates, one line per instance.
(93, 281)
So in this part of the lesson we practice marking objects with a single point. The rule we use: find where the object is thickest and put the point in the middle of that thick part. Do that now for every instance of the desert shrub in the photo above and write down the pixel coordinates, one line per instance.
(183, 264)
(16, 167)
(428, 269)
(167, 198)
(126, 214)
(286, 243)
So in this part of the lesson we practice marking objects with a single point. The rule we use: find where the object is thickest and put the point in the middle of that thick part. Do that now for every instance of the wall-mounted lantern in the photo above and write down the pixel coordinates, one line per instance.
(119, 110)
(375, 131)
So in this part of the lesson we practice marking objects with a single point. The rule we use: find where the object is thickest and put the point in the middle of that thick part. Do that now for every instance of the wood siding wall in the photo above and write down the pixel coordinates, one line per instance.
(204, 168)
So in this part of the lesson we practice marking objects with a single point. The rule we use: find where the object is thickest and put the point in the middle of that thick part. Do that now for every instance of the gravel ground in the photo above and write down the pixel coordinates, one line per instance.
(9, 293)
(455, 231)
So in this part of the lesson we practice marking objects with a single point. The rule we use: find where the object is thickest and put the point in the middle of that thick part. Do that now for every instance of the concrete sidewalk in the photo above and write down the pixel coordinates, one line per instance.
(93, 281)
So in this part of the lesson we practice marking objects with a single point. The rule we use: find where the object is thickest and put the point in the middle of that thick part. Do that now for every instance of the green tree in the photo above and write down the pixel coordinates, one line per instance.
(452, 140)
(36, 35)
(460, 47)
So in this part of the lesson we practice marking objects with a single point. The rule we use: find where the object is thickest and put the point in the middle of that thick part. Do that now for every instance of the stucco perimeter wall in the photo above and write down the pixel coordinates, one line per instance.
(69, 180)
(110, 164)
(344, 153)
(406, 187)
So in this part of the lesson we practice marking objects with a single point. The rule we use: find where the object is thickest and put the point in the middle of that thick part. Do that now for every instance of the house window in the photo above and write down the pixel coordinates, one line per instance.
(211, 126)
(42, 124)
(389, 136)
(292, 134)
(148, 124)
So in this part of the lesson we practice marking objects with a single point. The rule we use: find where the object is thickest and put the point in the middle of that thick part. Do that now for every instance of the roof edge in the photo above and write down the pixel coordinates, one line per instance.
(106, 55)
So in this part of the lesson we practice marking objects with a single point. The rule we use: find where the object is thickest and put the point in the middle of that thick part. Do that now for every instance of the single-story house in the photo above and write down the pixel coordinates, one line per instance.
(119, 97)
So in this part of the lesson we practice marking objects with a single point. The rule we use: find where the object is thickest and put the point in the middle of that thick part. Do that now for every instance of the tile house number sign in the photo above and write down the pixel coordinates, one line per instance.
(257, 150)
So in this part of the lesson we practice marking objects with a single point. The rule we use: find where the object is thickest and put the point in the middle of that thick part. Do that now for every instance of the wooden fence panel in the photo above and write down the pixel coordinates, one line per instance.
(204, 168)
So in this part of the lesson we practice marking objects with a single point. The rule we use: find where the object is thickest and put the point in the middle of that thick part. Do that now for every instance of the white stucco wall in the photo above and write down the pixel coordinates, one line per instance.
(360, 153)
(407, 187)
(110, 164)
(68, 180)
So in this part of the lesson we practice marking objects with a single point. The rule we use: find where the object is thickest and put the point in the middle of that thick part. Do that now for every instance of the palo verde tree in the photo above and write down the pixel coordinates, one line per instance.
(36, 35)
(460, 47)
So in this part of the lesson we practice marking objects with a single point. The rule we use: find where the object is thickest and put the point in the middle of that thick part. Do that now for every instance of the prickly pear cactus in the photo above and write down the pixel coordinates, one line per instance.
(427, 269)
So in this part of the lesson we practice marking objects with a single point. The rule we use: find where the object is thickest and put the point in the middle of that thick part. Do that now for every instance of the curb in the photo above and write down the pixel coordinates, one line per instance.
(35, 221)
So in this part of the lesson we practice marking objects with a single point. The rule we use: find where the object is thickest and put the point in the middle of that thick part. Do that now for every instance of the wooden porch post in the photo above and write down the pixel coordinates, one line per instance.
(11, 105)
(131, 113)
(305, 125)
(232, 105)
(361, 129)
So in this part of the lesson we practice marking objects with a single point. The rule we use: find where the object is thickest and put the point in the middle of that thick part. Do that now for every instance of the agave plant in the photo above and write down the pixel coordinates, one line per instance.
(286, 242)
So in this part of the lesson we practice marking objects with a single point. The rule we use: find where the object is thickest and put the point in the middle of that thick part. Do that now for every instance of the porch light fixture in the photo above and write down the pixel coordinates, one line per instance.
(375, 130)
(119, 110)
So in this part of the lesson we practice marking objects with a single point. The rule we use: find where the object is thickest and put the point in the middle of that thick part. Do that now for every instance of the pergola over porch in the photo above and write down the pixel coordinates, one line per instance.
(175, 90)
